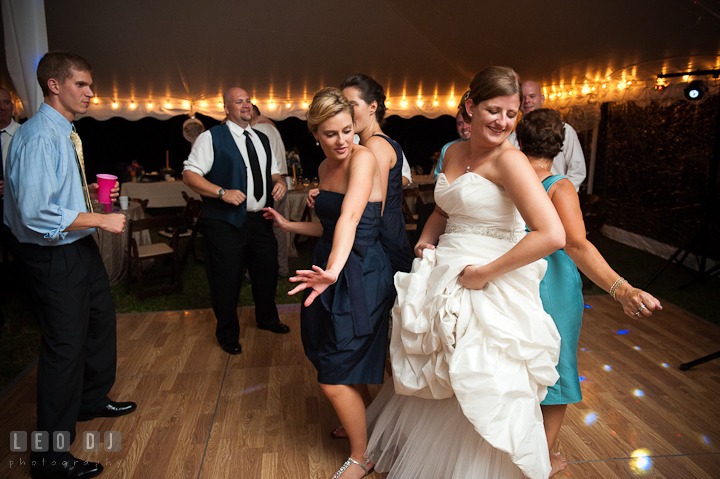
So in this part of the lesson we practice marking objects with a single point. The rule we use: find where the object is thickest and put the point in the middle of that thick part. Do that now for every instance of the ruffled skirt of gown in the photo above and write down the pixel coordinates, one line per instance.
(470, 368)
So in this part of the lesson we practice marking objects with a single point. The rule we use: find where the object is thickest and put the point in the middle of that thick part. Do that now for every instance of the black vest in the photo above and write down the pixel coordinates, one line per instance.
(229, 172)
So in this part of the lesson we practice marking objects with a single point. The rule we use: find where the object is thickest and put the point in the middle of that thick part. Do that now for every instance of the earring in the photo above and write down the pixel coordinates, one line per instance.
(317, 142)
(470, 114)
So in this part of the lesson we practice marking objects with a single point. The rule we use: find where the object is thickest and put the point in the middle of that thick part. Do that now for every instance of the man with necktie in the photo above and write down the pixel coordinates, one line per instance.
(233, 168)
(48, 208)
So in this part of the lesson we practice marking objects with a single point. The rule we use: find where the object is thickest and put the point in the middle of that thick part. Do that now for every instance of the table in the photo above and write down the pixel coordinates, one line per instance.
(162, 194)
(113, 248)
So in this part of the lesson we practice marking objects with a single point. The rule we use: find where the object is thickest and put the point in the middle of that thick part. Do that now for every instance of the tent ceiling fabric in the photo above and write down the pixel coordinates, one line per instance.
(180, 55)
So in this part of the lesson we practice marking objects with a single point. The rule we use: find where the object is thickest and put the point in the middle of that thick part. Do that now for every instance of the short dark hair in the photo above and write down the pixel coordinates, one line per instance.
(59, 65)
(256, 110)
(491, 82)
(541, 133)
(370, 91)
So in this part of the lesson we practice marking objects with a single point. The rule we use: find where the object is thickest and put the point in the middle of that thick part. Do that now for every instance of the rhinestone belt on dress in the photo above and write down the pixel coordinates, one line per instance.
(501, 234)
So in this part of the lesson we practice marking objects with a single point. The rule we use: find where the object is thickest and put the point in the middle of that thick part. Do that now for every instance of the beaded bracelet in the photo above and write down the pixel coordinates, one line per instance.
(616, 285)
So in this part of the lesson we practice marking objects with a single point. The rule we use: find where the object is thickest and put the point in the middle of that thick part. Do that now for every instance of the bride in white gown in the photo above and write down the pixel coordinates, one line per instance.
(472, 350)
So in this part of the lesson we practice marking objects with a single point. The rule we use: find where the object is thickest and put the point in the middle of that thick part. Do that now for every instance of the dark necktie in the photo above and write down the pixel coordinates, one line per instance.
(254, 167)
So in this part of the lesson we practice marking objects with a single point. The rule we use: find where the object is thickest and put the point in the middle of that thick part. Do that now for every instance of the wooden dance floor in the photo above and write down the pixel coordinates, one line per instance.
(204, 414)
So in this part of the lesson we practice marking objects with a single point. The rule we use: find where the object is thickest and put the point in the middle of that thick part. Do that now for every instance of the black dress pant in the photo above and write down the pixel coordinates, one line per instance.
(228, 250)
(78, 356)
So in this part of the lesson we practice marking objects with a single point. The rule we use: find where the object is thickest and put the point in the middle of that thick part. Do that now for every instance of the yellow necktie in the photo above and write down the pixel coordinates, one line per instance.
(81, 163)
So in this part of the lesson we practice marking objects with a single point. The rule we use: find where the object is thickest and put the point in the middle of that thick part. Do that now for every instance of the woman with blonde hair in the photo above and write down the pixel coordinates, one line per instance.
(348, 291)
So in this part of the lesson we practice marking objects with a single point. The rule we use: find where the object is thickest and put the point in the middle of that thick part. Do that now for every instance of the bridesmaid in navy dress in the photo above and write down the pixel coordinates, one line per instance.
(368, 99)
(349, 290)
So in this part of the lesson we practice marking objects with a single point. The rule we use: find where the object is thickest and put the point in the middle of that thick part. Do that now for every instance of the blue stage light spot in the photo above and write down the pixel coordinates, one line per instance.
(623, 331)
(607, 367)
(665, 365)
(581, 378)
(588, 307)
(706, 439)
(641, 460)
(590, 418)
(639, 393)
(637, 347)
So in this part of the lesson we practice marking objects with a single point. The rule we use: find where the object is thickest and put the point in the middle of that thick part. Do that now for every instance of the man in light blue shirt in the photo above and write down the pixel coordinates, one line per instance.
(464, 130)
(47, 206)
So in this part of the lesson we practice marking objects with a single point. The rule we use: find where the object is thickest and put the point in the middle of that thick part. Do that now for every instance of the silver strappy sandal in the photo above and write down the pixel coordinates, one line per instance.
(347, 463)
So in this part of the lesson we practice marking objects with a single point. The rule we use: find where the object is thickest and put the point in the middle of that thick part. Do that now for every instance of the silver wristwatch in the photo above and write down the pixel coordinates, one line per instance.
(221, 192)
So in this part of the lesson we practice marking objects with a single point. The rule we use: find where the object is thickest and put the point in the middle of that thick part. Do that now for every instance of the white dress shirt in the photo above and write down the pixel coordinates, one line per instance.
(6, 136)
(570, 161)
(276, 145)
(202, 157)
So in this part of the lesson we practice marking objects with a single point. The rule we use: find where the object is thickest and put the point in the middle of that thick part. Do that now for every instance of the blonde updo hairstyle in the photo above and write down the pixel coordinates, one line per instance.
(327, 103)
(491, 82)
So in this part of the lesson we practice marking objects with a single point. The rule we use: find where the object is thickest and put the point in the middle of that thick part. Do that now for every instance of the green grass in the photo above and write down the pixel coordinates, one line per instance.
(20, 336)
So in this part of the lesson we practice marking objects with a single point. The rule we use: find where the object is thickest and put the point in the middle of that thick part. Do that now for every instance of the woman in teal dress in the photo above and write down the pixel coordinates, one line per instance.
(541, 135)
(349, 290)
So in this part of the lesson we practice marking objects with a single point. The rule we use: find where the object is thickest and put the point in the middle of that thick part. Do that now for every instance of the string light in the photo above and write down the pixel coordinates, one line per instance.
(420, 103)
(271, 105)
(403, 102)
(203, 104)
(168, 105)
(114, 104)
(220, 104)
(288, 105)
(95, 100)
(305, 104)
(133, 105)
(435, 103)
(150, 105)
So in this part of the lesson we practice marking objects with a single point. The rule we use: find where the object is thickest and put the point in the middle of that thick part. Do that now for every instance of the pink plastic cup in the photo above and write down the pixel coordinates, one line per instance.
(106, 183)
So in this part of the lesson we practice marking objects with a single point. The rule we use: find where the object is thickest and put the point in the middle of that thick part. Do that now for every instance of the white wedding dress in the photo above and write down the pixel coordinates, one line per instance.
(470, 367)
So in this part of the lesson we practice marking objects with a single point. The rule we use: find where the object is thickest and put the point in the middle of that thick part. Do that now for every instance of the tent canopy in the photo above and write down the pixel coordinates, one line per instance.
(167, 57)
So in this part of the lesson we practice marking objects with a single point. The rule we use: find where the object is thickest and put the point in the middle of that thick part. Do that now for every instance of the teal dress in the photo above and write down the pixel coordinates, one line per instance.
(561, 295)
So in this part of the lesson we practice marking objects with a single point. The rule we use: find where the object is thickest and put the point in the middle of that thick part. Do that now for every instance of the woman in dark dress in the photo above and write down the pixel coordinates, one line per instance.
(344, 332)
(368, 99)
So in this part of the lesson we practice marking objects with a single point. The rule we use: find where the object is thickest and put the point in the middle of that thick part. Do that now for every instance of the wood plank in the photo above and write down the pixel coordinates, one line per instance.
(203, 413)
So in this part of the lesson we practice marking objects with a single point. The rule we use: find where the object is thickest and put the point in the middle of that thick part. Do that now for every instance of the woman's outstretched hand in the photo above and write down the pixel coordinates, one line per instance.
(318, 279)
(278, 219)
(637, 303)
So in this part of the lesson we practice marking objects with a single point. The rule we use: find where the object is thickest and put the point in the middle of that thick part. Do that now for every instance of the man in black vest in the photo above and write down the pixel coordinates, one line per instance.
(232, 167)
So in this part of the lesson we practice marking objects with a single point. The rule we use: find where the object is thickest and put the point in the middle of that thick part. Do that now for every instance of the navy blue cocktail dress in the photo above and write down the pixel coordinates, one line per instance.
(393, 235)
(344, 331)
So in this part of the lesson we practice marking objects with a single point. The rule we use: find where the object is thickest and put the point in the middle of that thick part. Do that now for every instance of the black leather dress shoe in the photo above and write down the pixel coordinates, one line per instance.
(278, 327)
(113, 409)
(232, 348)
(74, 468)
